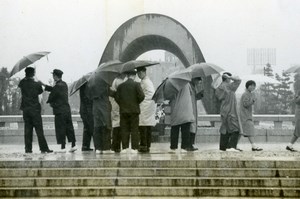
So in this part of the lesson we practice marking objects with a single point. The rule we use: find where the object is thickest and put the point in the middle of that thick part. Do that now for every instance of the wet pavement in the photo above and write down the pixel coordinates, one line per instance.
(159, 151)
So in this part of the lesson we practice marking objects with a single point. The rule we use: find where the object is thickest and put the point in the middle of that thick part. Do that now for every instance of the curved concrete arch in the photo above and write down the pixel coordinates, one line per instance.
(157, 32)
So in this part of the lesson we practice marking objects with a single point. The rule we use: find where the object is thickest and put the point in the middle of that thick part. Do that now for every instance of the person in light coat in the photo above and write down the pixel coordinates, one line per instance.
(148, 109)
(296, 134)
(230, 127)
(246, 104)
(115, 115)
(184, 117)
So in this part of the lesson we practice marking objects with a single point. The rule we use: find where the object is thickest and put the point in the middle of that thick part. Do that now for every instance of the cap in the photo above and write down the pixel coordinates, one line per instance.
(57, 72)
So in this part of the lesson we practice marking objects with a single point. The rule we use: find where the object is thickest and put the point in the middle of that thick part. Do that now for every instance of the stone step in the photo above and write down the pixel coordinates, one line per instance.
(154, 197)
(149, 181)
(117, 163)
(150, 191)
(149, 172)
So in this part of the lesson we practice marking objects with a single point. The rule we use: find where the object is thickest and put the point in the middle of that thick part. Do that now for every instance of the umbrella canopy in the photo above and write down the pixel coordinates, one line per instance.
(134, 64)
(204, 69)
(26, 61)
(75, 86)
(108, 71)
(172, 85)
(293, 69)
(102, 77)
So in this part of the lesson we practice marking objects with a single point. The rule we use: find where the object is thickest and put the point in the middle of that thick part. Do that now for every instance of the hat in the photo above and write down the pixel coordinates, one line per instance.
(57, 72)
(141, 69)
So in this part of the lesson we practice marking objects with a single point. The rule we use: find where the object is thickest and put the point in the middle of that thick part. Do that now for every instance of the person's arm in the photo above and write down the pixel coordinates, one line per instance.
(47, 87)
(236, 82)
(247, 100)
(140, 93)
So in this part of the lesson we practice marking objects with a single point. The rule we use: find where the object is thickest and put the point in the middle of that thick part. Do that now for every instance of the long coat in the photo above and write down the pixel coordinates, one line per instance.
(148, 107)
(101, 105)
(184, 107)
(246, 110)
(228, 110)
(297, 115)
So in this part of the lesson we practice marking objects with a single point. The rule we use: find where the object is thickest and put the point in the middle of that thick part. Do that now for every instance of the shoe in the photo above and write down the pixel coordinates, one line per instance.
(291, 149)
(233, 150)
(134, 151)
(28, 151)
(47, 151)
(117, 150)
(189, 149)
(61, 151)
(124, 151)
(73, 149)
(87, 149)
(107, 152)
(257, 149)
(98, 151)
(172, 151)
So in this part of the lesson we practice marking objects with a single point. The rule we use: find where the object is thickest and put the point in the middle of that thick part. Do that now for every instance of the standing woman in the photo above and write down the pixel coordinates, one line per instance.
(290, 147)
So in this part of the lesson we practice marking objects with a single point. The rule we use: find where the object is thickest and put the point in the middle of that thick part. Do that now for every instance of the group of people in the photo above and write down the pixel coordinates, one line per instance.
(122, 114)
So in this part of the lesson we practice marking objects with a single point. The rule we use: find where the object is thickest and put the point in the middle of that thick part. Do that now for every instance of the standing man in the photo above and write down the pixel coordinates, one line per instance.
(296, 134)
(246, 104)
(129, 95)
(102, 117)
(86, 114)
(31, 108)
(184, 117)
(58, 100)
(115, 115)
(148, 109)
(230, 127)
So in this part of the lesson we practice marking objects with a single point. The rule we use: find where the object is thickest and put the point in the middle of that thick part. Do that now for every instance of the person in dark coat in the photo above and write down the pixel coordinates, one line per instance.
(58, 100)
(31, 107)
(86, 114)
(129, 95)
(102, 116)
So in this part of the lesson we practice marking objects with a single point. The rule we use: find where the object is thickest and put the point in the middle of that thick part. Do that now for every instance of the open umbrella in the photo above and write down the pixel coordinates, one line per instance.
(293, 69)
(172, 85)
(204, 69)
(26, 61)
(108, 71)
(75, 86)
(103, 77)
(134, 64)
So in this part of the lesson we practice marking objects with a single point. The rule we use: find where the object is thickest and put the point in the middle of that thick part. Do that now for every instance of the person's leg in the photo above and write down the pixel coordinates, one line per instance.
(292, 142)
(233, 140)
(38, 125)
(97, 138)
(106, 139)
(60, 130)
(28, 131)
(224, 139)
(185, 136)
(143, 138)
(70, 133)
(86, 136)
(174, 136)
(149, 137)
(135, 137)
(116, 140)
(125, 131)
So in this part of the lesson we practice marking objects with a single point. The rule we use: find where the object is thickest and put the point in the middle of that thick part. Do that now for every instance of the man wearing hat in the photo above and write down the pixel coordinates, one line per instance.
(31, 108)
(58, 100)
(129, 95)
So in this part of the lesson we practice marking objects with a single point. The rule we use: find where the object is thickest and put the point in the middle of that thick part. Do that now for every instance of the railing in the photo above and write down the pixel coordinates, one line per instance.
(278, 120)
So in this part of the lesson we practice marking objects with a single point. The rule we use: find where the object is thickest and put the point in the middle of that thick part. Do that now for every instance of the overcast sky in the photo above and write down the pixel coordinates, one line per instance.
(77, 31)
